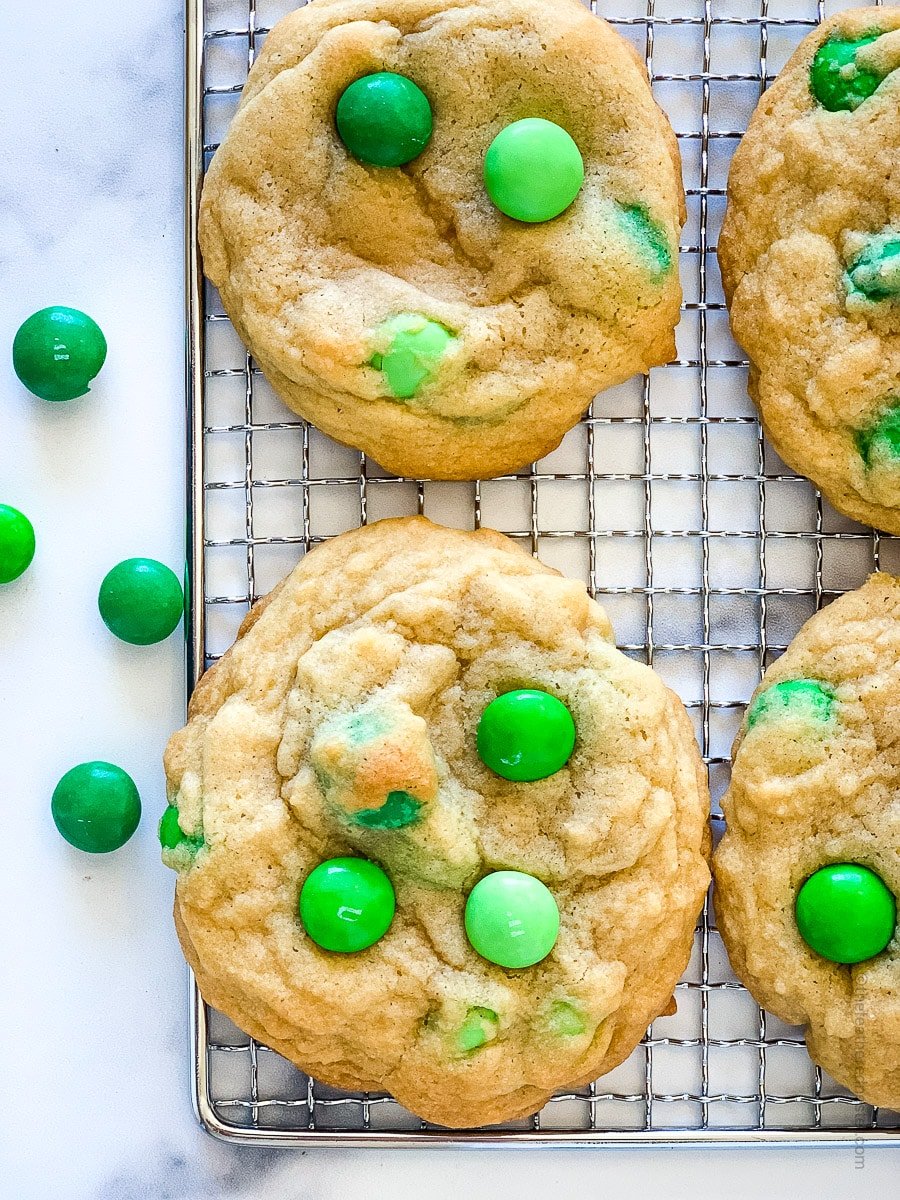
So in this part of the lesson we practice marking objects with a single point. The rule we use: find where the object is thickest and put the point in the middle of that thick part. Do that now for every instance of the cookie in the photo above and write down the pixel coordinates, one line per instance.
(810, 258)
(399, 307)
(808, 872)
(512, 927)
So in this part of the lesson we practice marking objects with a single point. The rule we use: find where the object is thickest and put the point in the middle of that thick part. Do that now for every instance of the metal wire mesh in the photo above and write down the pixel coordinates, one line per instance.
(708, 553)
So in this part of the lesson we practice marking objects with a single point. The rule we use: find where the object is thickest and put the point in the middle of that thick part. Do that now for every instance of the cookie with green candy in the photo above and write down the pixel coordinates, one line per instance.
(433, 833)
(812, 276)
(441, 230)
(807, 876)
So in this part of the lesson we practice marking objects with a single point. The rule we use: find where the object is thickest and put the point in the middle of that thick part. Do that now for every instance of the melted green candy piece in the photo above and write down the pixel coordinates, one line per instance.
(650, 238)
(876, 272)
(398, 810)
(566, 1019)
(479, 1027)
(172, 836)
(808, 697)
(416, 347)
(836, 81)
(880, 443)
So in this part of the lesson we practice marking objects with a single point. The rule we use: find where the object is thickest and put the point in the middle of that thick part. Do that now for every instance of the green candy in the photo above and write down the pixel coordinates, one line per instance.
(836, 82)
(479, 1027)
(172, 836)
(16, 543)
(96, 807)
(650, 237)
(416, 346)
(384, 119)
(533, 170)
(875, 273)
(806, 697)
(57, 352)
(399, 809)
(525, 735)
(846, 913)
(511, 919)
(346, 904)
(880, 443)
(141, 601)
(566, 1020)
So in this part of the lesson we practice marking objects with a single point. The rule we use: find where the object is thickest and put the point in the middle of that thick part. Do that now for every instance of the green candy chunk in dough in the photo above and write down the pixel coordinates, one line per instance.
(650, 238)
(173, 837)
(880, 443)
(398, 810)
(566, 1020)
(876, 272)
(479, 1027)
(416, 346)
(806, 696)
(836, 81)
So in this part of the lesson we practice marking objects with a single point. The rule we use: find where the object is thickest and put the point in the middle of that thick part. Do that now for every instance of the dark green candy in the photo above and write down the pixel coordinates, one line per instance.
(846, 913)
(875, 273)
(384, 119)
(836, 82)
(399, 809)
(96, 807)
(649, 236)
(525, 735)
(881, 441)
(16, 543)
(57, 352)
(808, 697)
(171, 835)
(141, 601)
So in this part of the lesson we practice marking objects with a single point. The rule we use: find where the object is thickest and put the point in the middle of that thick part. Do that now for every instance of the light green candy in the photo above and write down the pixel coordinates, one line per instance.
(876, 271)
(566, 1020)
(479, 1027)
(416, 346)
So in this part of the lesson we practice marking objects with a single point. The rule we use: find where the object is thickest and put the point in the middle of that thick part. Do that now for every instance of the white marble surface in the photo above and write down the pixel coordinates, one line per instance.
(93, 1042)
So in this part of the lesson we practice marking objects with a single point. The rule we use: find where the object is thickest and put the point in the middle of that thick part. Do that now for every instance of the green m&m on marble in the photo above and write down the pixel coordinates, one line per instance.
(384, 119)
(347, 904)
(57, 352)
(141, 601)
(525, 735)
(533, 170)
(511, 919)
(16, 543)
(846, 913)
(96, 807)
(835, 79)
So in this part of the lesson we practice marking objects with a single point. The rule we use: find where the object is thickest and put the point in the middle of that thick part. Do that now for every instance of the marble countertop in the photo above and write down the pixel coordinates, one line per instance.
(94, 1099)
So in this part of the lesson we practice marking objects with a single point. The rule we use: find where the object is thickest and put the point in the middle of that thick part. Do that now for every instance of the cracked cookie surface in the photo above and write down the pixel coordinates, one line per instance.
(364, 674)
(816, 781)
(810, 258)
(320, 259)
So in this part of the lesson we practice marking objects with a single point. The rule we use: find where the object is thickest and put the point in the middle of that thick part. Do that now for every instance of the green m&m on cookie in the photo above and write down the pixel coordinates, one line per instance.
(846, 913)
(875, 272)
(480, 1026)
(141, 601)
(384, 119)
(57, 352)
(525, 735)
(347, 904)
(16, 543)
(511, 919)
(837, 82)
(879, 445)
(414, 347)
(533, 170)
(793, 697)
(96, 807)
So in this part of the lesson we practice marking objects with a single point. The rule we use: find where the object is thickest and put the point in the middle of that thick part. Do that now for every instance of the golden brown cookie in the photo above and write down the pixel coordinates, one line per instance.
(810, 258)
(815, 789)
(333, 269)
(343, 723)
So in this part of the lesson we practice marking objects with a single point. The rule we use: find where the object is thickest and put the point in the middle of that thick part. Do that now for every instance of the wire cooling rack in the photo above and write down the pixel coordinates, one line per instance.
(707, 552)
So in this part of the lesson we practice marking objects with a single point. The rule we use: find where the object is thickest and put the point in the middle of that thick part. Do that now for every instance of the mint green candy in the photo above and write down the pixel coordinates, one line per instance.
(880, 443)
(875, 273)
(846, 913)
(566, 1020)
(479, 1027)
(836, 81)
(399, 809)
(802, 697)
(511, 919)
(17, 543)
(533, 170)
(347, 904)
(525, 735)
(413, 356)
